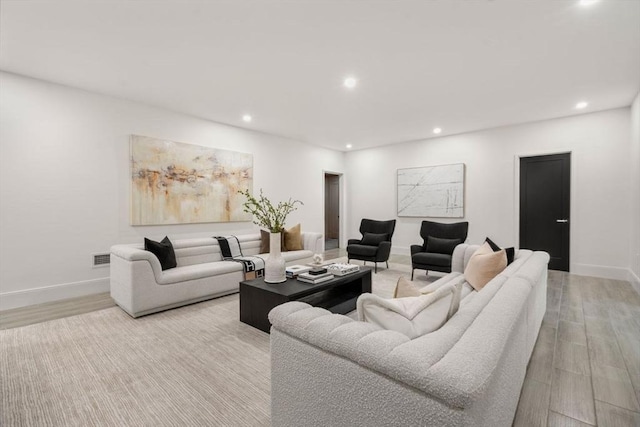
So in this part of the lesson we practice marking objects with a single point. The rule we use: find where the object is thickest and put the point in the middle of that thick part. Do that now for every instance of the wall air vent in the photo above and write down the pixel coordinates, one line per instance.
(101, 260)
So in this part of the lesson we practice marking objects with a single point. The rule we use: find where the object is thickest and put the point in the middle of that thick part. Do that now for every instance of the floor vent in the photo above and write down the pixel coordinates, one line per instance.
(101, 260)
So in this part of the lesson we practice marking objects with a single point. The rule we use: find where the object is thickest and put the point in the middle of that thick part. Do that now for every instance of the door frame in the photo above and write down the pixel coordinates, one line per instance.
(341, 210)
(516, 198)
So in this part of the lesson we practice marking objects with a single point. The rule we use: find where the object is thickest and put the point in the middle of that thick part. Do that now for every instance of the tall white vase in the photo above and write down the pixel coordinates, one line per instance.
(274, 266)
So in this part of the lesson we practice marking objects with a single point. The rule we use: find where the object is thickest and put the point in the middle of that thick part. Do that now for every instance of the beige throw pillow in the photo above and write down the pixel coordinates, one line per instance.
(293, 239)
(412, 316)
(405, 288)
(484, 265)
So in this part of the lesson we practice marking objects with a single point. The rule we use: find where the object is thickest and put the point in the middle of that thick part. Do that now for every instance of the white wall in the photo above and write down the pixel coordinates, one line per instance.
(64, 183)
(634, 247)
(600, 206)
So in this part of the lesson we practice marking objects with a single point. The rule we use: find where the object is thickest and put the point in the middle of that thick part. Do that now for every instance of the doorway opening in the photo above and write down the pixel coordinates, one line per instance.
(545, 195)
(331, 211)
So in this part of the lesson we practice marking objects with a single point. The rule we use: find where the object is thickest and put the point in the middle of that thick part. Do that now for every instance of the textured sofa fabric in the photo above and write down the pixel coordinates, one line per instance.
(328, 369)
(140, 286)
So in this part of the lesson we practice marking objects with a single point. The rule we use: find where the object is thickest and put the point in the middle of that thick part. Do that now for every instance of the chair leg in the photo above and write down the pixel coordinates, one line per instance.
(412, 270)
(375, 270)
(387, 262)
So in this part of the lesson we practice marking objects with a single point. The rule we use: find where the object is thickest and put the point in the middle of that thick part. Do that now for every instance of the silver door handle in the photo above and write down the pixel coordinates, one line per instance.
(562, 220)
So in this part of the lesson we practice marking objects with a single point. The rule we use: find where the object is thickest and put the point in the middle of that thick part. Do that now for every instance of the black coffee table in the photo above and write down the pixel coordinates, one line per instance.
(339, 295)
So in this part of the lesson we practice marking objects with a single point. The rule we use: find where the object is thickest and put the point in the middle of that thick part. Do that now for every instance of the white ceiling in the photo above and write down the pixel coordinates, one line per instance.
(459, 65)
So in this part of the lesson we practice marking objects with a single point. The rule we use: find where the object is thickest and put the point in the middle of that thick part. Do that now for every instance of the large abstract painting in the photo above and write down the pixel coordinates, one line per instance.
(431, 191)
(177, 183)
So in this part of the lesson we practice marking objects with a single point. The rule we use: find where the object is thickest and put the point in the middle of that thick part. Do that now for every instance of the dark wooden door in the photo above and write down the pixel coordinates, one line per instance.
(332, 206)
(545, 206)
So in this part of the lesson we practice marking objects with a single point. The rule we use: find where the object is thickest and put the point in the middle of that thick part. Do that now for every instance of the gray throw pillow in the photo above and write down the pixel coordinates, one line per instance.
(441, 246)
(372, 239)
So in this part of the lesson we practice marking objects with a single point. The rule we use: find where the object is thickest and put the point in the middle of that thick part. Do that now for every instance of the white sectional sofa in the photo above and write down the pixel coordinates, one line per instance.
(139, 286)
(330, 370)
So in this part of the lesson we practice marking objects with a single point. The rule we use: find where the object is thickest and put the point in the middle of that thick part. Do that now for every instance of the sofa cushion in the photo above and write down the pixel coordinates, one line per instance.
(405, 288)
(294, 255)
(411, 316)
(163, 250)
(373, 239)
(441, 246)
(292, 240)
(484, 265)
(199, 271)
(426, 258)
(362, 250)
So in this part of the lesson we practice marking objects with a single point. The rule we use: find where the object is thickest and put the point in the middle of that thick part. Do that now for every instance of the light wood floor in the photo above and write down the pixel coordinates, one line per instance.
(24, 316)
(585, 367)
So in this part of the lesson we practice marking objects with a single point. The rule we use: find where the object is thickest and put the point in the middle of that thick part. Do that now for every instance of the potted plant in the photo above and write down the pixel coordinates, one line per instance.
(273, 218)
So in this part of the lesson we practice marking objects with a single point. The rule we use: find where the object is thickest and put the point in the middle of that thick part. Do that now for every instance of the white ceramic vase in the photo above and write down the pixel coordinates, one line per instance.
(274, 266)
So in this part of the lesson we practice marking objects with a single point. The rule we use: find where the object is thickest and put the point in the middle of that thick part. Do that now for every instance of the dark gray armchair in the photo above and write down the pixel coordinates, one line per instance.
(375, 245)
(439, 242)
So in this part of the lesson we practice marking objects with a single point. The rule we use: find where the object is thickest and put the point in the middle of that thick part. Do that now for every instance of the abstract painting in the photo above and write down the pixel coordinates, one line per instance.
(177, 183)
(431, 191)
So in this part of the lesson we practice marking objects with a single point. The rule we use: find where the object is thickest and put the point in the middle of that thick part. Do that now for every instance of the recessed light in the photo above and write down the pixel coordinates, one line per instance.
(582, 104)
(437, 130)
(247, 118)
(350, 82)
(349, 146)
(586, 3)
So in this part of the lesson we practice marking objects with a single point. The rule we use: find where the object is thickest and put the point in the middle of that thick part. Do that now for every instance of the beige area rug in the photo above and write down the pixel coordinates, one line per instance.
(193, 366)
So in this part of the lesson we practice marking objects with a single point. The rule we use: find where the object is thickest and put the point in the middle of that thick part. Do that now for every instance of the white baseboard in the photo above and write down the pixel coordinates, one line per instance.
(635, 280)
(400, 250)
(604, 271)
(9, 300)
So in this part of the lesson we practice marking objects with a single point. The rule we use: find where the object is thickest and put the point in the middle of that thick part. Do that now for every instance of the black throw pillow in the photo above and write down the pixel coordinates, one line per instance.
(511, 252)
(372, 239)
(163, 250)
(441, 246)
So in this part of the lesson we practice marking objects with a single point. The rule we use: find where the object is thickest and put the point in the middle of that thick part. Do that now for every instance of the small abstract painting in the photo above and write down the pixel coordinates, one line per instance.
(431, 191)
(177, 183)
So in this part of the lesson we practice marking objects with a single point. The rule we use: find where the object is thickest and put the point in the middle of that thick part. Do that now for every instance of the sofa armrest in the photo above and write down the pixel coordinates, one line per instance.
(461, 255)
(313, 242)
(415, 249)
(359, 341)
(132, 253)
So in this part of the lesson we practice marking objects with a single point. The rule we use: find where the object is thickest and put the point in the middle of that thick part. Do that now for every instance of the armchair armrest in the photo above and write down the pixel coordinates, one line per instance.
(415, 249)
(384, 250)
(353, 241)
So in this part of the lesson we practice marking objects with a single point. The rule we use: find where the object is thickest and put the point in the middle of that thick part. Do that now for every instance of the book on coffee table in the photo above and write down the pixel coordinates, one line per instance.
(294, 271)
(314, 276)
(343, 269)
(315, 280)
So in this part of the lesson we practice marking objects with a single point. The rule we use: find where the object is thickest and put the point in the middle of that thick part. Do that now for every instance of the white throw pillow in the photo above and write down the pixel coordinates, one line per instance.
(412, 316)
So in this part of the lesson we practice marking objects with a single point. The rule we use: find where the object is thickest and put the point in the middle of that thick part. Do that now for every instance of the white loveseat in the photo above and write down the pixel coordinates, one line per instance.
(139, 286)
(330, 370)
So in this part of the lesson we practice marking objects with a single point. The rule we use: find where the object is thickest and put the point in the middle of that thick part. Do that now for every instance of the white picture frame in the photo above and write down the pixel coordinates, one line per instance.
(431, 191)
